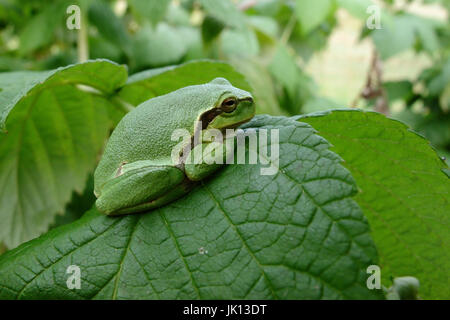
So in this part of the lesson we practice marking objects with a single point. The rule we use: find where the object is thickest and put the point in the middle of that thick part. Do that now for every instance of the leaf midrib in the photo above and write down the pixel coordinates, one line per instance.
(122, 259)
(221, 209)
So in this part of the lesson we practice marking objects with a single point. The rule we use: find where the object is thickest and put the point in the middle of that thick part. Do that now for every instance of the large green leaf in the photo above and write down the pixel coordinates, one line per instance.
(55, 131)
(293, 235)
(404, 194)
(154, 82)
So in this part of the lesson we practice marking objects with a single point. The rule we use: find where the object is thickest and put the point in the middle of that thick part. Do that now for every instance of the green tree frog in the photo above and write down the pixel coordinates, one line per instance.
(138, 172)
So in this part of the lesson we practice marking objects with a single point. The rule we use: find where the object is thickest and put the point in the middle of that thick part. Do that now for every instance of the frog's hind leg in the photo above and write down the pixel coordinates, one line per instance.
(136, 184)
(173, 194)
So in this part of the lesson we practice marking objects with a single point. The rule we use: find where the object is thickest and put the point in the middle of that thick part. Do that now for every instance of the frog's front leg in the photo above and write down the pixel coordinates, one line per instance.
(212, 156)
(135, 187)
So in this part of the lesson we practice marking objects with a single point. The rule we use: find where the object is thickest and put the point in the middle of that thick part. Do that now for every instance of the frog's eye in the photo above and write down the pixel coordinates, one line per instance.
(228, 105)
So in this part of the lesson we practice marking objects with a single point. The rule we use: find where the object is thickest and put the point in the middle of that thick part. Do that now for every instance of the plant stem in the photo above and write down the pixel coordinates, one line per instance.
(288, 29)
(122, 104)
(82, 41)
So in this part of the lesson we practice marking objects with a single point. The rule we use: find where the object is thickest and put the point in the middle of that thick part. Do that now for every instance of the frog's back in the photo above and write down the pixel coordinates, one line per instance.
(145, 132)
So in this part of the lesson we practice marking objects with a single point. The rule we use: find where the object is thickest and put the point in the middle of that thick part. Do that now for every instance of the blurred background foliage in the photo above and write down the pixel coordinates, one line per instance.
(299, 56)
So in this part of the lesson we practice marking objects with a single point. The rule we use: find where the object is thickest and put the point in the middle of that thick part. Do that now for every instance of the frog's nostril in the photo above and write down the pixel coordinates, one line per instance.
(248, 99)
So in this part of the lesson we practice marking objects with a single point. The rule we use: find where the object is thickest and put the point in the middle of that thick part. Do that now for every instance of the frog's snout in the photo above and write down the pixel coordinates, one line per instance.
(247, 99)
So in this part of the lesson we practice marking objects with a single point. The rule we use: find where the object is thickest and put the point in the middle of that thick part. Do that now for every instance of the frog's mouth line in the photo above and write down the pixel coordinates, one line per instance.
(207, 117)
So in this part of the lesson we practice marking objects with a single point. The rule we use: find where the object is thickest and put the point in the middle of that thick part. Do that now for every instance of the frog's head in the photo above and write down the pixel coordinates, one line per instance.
(232, 108)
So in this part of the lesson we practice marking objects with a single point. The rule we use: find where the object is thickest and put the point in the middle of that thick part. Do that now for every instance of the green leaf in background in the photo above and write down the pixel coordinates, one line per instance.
(262, 85)
(398, 90)
(318, 103)
(78, 205)
(404, 194)
(211, 28)
(425, 30)
(285, 70)
(316, 40)
(297, 86)
(54, 134)
(268, 7)
(10, 63)
(357, 8)
(444, 99)
(399, 33)
(441, 80)
(225, 11)
(151, 10)
(109, 25)
(39, 30)
(239, 43)
(293, 235)
(311, 14)
(100, 48)
(192, 40)
(158, 46)
(151, 83)
(178, 15)
(265, 25)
